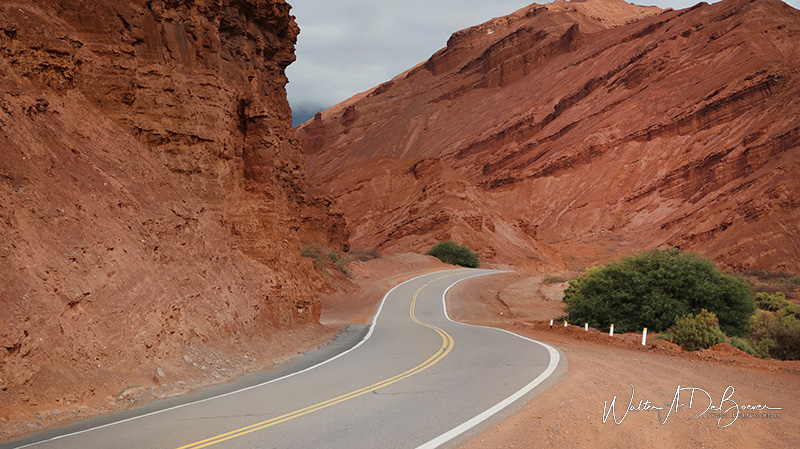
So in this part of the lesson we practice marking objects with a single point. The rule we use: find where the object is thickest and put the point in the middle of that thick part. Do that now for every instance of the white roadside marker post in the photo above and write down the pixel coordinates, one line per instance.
(611, 331)
(644, 337)
(586, 327)
(565, 324)
(551, 322)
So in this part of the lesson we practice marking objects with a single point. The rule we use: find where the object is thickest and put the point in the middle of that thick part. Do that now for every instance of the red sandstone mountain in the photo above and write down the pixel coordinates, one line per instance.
(152, 196)
(596, 127)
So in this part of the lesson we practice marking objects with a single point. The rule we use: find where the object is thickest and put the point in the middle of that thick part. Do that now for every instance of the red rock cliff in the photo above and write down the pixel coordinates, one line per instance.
(152, 195)
(604, 127)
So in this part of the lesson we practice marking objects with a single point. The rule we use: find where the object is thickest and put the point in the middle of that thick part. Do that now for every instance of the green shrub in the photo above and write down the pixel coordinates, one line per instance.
(775, 302)
(340, 263)
(696, 332)
(746, 346)
(315, 252)
(455, 254)
(777, 333)
(333, 257)
(656, 287)
(324, 257)
(765, 346)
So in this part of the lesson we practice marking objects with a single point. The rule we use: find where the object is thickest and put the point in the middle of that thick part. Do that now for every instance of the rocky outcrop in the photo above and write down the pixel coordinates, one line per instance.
(606, 127)
(153, 199)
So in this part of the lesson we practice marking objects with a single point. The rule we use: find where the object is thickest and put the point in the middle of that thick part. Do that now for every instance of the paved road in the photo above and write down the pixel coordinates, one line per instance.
(416, 380)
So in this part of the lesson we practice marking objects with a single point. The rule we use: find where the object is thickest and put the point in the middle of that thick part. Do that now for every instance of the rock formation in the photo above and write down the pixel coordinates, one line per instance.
(153, 199)
(596, 127)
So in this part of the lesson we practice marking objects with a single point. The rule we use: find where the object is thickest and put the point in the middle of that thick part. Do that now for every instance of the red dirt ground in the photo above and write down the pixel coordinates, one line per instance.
(570, 414)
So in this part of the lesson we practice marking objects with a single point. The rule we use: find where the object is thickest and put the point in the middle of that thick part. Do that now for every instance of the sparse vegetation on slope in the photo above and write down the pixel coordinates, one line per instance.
(324, 257)
(769, 282)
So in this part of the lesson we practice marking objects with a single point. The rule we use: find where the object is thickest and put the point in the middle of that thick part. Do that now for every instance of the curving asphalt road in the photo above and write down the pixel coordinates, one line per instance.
(416, 380)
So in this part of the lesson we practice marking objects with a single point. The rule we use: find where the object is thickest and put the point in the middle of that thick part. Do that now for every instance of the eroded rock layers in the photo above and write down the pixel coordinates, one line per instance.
(152, 193)
(598, 127)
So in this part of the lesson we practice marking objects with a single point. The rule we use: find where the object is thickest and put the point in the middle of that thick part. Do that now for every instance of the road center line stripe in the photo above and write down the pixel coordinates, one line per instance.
(488, 413)
(442, 352)
(230, 393)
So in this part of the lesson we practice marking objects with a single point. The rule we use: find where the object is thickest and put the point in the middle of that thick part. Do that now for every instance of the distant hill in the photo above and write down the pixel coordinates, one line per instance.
(584, 130)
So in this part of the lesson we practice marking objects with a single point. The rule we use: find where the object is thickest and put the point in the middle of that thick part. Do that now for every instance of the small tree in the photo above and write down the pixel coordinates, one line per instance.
(455, 254)
(654, 288)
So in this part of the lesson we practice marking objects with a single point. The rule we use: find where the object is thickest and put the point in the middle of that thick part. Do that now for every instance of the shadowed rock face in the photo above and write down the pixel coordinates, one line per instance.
(152, 193)
(605, 127)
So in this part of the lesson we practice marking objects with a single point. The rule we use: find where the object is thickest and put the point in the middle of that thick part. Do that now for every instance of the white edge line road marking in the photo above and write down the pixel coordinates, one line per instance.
(551, 367)
(366, 337)
(436, 442)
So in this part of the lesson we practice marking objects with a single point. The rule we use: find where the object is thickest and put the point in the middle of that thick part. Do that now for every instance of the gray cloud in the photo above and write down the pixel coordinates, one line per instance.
(348, 46)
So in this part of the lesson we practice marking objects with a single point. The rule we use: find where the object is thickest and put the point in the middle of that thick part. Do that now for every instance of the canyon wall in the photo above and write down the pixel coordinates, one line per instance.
(153, 199)
(597, 128)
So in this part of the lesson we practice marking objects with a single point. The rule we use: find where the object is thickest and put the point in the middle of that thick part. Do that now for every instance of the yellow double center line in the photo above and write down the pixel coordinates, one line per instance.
(447, 346)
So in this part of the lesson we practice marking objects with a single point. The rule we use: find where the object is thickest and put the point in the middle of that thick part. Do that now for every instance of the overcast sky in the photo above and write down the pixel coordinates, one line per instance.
(348, 46)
